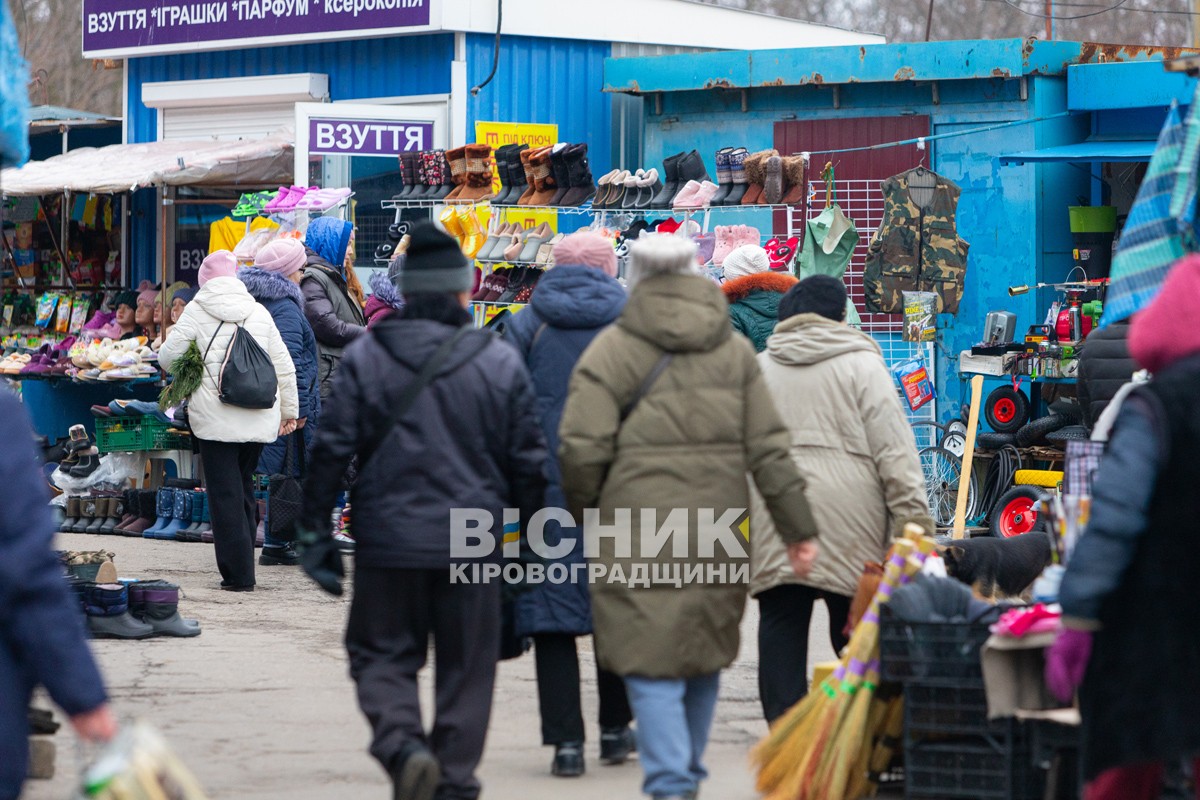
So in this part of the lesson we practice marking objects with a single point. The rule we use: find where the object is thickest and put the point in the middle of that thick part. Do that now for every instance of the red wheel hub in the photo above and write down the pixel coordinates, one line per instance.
(1005, 410)
(1018, 517)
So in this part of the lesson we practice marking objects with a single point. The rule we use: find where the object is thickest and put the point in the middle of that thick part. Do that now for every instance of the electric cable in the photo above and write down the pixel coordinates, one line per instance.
(1109, 8)
(495, 51)
(949, 135)
(999, 479)
(1055, 17)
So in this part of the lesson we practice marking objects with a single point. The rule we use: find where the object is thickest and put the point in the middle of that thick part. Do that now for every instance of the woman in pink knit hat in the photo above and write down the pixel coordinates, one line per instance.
(1130, 638)
(572, 303)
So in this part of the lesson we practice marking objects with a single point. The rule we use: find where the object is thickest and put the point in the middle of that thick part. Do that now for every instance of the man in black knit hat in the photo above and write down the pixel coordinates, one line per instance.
(469, 438)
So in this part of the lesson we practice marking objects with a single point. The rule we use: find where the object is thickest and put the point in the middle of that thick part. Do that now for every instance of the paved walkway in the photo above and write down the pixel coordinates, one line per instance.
(261, 707)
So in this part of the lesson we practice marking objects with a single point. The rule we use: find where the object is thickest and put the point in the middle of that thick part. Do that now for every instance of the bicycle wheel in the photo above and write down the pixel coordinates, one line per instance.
(943, 473)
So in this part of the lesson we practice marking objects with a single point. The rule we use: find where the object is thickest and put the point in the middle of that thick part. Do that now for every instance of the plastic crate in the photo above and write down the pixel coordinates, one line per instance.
(976, 767)
(948, 709)
(118, 434)
(931, 652)
(156, 435)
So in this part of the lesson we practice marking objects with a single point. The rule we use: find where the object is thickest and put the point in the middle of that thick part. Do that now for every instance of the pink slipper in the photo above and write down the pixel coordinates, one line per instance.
(686, 198)
(284, 193)
(295, 195)
(322, 199)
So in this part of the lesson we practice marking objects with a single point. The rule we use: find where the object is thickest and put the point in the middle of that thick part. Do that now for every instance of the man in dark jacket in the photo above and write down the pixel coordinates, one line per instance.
(335, 316)
(1104, 367)
(42, 637)
(469, 440)
(572, 303)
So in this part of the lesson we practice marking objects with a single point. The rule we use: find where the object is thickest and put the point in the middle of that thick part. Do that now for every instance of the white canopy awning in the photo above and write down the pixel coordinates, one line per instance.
(125, 167)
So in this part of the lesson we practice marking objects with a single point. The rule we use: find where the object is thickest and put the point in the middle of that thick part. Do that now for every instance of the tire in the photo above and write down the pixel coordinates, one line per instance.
(1070, 433)
(1068, 408)
(1033, 432)
(1006, 409)
(943, 472)
(1016, 512)
(994, 441)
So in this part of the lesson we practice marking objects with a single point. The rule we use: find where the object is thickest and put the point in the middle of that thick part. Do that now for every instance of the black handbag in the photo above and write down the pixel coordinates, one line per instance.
(285, 492)
(247, 377)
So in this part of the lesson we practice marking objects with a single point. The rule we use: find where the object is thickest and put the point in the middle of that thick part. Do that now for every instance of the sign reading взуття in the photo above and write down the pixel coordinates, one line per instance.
(359, 137)
(139, 27)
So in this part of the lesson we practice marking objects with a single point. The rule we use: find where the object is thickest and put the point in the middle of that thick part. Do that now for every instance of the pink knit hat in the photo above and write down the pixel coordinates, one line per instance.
(587, 249)
(1165, 331)
(147, 295)
(219, 264)
(282, 256)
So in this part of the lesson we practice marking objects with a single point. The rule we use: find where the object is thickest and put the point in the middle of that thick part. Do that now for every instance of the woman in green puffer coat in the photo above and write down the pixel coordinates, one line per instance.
(754, 292)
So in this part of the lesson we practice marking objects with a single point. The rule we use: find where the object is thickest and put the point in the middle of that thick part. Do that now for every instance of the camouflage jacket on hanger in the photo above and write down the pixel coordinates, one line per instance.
(916, 249)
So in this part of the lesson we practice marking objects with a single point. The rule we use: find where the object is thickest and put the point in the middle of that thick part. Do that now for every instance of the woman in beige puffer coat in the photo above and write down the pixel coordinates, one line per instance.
(858, 457)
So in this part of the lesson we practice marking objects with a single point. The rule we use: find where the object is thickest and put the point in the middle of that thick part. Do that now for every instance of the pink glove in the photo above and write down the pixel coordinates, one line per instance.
(1066, 662)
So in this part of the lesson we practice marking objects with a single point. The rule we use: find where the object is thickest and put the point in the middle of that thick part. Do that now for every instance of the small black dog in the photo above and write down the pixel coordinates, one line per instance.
(998, 568)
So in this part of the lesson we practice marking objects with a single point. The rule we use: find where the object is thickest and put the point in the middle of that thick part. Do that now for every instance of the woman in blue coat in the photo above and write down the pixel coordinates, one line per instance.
(274, 281)
(573, 302)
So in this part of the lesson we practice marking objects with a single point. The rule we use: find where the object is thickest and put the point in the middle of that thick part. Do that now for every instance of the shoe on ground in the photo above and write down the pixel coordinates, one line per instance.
(617, 744)
(120, 626)
(285, 556)
(416, 774)
(231, 588)
(568, 760)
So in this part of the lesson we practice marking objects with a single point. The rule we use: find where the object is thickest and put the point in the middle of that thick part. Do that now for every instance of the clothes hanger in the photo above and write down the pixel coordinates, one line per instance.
(827, 176)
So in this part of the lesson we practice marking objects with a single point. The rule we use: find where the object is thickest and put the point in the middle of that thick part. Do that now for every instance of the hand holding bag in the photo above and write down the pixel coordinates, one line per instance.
(285, 492)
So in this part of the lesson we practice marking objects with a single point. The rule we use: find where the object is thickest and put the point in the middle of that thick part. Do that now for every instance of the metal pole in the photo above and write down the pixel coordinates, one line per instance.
(1049, 20)
(1196, 23)
(929, 20)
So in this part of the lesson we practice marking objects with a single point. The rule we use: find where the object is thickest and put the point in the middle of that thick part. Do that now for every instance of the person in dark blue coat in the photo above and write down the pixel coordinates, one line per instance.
(573, 302)
(274, 281)
(42, 637)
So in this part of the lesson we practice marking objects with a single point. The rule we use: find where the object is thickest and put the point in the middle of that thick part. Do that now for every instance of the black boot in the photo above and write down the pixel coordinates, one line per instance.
(415, 774)
(504, 170)
(581, 186)
(670, 179)
(617, 744)
(157, 604)
(568, 760)
(691, 168)
(558, 165)
(89, 462)
(516, 176)
(285, 556)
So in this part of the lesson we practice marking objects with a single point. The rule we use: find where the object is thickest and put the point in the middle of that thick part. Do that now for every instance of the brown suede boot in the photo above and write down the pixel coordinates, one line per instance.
(530, 187)
(793, 180)
(543, 177)
(756, 176)
(479, 174)
(458, 171)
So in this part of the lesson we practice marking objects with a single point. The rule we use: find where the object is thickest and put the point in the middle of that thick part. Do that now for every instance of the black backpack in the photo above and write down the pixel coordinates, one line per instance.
(247, 378)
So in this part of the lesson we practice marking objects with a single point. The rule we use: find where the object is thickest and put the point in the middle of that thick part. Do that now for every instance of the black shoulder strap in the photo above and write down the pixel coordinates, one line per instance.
(204, 358)
(404, 402)
(647, 383)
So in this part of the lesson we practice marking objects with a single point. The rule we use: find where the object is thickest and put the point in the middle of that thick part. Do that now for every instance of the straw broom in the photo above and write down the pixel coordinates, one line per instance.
(885, 748)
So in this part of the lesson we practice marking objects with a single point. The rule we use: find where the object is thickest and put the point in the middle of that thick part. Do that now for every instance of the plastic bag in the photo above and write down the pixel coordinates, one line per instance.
(115, 472)
(920, 316)
(138, 764)
(914, 380)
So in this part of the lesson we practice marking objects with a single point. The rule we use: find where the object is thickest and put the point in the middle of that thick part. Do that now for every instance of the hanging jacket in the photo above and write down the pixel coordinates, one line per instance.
(916, 249)
(754, 304)
(226, 300)
(705, 424)
(829, 243)
(852, 444)
(282, 299)
(1104, 367)
(570, 305)
(335, 317)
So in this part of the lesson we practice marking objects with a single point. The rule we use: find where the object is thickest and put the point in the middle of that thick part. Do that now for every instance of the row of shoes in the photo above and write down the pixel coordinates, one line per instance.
(132, 408)
(397, 241)
(133, 610)
(514, 244)
(461, 175)
(557, 175)
(290, 198)
(507, 285)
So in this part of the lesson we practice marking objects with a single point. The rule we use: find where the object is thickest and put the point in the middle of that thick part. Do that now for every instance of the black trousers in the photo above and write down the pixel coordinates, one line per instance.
(558, 691)
(784, 616)
(393, 613)
(228, 470)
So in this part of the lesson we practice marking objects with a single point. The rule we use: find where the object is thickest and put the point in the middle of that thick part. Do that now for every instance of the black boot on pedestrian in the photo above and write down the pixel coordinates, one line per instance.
(617, 744)
(285, 556)
(568, 760)
(416, 774)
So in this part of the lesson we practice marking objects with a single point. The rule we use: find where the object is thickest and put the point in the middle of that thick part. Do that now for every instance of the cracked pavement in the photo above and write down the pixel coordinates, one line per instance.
(261, 707)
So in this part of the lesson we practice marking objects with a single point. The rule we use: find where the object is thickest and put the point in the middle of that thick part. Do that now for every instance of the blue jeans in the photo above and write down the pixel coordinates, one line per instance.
(674, 717)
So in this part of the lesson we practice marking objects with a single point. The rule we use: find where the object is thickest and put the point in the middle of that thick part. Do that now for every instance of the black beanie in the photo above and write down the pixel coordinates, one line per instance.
(433, 263)
(125, 298)
(818, 294)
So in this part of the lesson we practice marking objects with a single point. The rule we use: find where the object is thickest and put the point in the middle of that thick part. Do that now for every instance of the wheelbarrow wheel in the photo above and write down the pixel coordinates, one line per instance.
(1016, 512)
(1006, 409)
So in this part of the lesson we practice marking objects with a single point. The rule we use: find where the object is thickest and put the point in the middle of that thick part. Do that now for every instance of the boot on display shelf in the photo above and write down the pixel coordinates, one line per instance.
(504, 171)
(526, 157)
(479, 174)
(458, 171)
(181, 515)
(72, 515)
(128, 500)
(724, 176)
(164, 507)
(103, 509)
(558, 167)
(793, 175)
(194, 519)
(544, 186)
(205, 527)
(671, 183)
(737, 178)
(408, 174)
(87, 513)
(580, 184)
(147, 500)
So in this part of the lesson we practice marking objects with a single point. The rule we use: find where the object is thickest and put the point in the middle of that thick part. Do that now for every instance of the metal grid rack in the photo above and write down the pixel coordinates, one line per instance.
(862, 202)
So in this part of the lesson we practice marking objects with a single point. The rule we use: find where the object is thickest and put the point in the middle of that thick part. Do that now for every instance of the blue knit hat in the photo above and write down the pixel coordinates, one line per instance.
(329, 238)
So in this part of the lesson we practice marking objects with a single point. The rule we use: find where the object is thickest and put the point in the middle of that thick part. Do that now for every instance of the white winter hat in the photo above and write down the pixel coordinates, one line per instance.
(746, 260)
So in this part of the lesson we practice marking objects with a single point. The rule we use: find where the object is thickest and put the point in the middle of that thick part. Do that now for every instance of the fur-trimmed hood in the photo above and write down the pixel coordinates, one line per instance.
(383, 288)
(741, 288)
(264, 285)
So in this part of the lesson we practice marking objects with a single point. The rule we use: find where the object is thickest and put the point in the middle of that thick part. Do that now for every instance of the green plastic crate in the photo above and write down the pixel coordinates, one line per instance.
(156, 435)
(118, 435)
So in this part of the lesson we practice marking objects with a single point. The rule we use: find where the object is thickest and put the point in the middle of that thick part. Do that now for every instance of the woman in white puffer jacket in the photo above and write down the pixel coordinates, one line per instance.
(230, 438)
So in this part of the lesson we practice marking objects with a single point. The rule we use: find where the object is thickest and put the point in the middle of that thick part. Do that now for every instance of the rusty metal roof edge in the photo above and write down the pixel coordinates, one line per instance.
(915, 61)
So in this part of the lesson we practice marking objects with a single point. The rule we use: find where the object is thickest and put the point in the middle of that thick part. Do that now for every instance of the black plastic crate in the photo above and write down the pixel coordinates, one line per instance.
(972, 768)
(931, 652)
(948, 709)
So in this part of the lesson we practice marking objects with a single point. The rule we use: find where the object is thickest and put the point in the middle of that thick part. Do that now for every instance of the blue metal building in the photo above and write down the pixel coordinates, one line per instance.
(1063, 124)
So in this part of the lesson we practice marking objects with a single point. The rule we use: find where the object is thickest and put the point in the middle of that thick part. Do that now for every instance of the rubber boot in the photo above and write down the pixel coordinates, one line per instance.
(157, 604)
(103, 512)
(181, 516)
(72, 510)
(260, 530)
(107, 607)
(147, 502)
(87, 512)
(128, 500)
(205, 523)
(193, 521)
(164, 506)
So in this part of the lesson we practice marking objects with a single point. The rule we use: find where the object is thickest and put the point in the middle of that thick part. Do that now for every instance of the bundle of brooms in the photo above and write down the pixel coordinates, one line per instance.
(833, 744)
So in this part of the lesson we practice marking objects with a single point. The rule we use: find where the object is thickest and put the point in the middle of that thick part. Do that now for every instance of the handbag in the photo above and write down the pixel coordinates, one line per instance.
(285, 492)
(247, 377)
